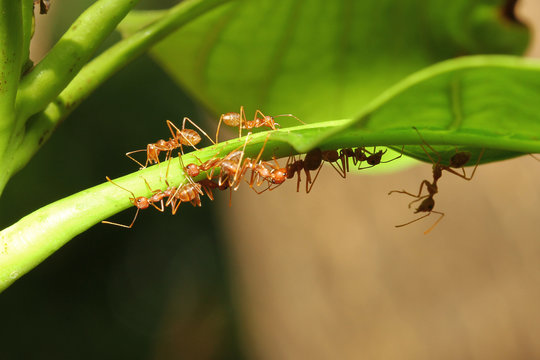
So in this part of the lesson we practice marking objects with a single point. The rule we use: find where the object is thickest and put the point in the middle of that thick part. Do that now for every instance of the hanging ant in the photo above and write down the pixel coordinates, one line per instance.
(239, 119)
(312, 161)
(458, 160)
(428, 202)
(181, 137)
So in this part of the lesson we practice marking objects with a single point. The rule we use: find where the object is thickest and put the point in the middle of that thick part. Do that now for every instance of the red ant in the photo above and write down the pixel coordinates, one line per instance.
(208, 185)
(180, 138)
(140, 202)
(458, 160)
(262, 171)
(239, 119)
(230, 168)
(186, 193)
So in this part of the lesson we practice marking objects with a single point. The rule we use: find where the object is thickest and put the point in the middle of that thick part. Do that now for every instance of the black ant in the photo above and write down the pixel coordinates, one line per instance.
(458, 160)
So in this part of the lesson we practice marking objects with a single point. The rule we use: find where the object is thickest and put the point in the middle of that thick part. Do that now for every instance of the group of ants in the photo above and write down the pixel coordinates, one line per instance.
(268, 175)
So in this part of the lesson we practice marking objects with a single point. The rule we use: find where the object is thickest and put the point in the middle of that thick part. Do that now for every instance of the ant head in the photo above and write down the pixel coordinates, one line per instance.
(459, 159)
(290, 170)
(141, 202)
(279, 176)
(426, 206)
(375, 159)
(192, 170)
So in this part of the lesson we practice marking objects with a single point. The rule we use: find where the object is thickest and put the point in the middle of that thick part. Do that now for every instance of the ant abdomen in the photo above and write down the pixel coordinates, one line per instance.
(232, 119)
(188, 137)
(426, 205)
(460, 159)
(313, 159)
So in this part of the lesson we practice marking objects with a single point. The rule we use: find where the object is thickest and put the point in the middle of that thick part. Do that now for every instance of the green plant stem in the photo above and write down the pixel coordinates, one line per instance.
(45, 82)
(28, 31)
(32, 239)
(11, 43)
(101, 68)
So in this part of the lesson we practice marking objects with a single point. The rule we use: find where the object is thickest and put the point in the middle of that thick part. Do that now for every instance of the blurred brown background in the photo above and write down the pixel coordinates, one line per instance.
(328, 276)
(319, 276)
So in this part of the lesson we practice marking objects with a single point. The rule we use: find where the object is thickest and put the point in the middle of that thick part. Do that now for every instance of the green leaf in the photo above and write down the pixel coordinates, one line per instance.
(43, 84)
(480, 101)
(324, 59)
(32, 239)
(41, 125)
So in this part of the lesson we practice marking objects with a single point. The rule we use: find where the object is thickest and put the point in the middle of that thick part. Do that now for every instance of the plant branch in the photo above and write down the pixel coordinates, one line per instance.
(32, 239)
(11, 43)
(45, 82)
(101, 68)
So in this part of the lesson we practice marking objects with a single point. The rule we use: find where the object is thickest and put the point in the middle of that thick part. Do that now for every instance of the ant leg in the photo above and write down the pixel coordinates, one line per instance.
(243, 121)
(308, 179)
(267, 188)
(176, 205)
(290, 115)
(262, 149)
(474, 170)
(240, 161)
(178, 133)
(272, 124)
(132, 158)
(429, 146)
(339, 170)
(315, 178)
(218, 127)
(168, 155)
(121, 187)
(131, 200)
(198, 128)
(299, 180)
(436, 222)
(122, 225)
(424, 182)
(182, 166)
(397, 157)
(410, 222)
(160, 209)
(417, 200)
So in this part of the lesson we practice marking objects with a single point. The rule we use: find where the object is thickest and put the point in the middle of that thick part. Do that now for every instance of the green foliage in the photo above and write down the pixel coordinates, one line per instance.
(321, 59)
(377, 63)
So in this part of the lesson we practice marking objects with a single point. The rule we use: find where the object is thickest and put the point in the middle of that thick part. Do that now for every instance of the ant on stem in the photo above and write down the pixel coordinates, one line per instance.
(312, 161)
(239, 119)
(141, 203)
(181, 137)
